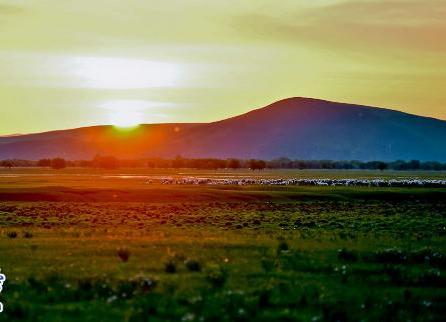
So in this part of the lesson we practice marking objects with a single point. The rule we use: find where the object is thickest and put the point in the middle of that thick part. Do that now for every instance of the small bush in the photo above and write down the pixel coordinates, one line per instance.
(217, 276)
(347, 255)
(27, 234)
(268, 265)
(428, 256)
(264, 298)
(147, 284)
(193, 265)
(11, 234)
(123, 254)
(85, 285)
(256, 222)
(390, 256)
(396, 274)
(36, 284)
(432, 278)
(170, 267)
(178, 257)
(282, 247)
(127, 288)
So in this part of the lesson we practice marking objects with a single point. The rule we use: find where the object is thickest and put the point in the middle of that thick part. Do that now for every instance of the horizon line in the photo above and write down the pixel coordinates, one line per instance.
(227, 118)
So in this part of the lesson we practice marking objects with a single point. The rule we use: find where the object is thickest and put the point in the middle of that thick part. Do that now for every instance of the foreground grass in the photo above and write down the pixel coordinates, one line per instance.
(222, 254)
(246, 276)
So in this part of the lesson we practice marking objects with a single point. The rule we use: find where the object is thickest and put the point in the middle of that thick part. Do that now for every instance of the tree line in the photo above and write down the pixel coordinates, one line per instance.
(110, 162)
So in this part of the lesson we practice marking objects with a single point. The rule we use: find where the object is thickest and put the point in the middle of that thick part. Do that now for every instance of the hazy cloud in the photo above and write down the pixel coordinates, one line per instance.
(7, 9)
(387, 24)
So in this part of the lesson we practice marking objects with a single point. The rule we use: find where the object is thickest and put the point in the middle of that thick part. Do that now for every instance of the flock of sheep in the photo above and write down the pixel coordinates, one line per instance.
(375, 182)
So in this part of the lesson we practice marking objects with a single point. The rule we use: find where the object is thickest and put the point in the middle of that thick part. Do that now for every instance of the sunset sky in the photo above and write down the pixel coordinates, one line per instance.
(67, 64)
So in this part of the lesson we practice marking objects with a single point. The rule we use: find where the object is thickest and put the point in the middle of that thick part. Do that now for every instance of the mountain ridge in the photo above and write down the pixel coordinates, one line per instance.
(296, 127)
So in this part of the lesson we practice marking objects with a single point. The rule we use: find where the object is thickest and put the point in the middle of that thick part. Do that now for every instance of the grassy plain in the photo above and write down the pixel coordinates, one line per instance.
(89, 245)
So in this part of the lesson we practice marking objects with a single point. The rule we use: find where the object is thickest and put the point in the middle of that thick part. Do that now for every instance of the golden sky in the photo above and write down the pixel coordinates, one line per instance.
(67, 64)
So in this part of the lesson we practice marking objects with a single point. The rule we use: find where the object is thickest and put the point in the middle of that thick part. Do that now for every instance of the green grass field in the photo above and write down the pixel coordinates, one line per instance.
(89, 245)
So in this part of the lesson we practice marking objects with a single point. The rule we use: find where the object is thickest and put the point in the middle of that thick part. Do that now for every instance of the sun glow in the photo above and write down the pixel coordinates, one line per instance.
(124, 73)
(125, 119)
(130, 113)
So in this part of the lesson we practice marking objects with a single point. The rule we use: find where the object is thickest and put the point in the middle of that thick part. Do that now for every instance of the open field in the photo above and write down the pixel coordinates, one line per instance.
(37, 172)
(89, 245)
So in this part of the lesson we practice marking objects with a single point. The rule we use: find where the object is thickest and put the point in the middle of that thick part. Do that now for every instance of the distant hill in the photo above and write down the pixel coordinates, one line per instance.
(300, 128)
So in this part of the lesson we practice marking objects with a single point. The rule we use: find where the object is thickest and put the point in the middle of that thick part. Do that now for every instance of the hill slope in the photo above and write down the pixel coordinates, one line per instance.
(296, 128)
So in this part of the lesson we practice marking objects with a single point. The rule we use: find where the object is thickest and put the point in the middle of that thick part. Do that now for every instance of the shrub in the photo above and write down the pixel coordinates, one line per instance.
(147, 284)
(428, 256)
(123, 254)
(282, 247)
(170, 267)
(217, 276)
(347, 255)
(432, 278)
(265, 298)
(11, 234)
(256, 222)
(268, 265)
(27, 234)
(127, 288)
(390, 256)
(193, 265)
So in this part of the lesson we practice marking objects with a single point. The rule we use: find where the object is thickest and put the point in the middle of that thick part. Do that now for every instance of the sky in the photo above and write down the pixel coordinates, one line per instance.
(66, 64)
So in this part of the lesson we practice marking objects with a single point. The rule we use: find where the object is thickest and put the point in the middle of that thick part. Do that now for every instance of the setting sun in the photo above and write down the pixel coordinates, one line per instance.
(126, 113)
(125, 119)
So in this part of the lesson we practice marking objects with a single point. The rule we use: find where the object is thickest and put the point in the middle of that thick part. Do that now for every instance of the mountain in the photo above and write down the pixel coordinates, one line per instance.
(300, 128)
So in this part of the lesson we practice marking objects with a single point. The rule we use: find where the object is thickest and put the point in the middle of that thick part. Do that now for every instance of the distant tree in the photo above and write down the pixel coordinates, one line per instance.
(211, 164)
(398, 165)
(105, 162)
(374, 165)
(299, 164)
(355, 164)
(261, 164)
(382, 166)
(159, 163)
(131, 163)
(256, 164)
(343, 165)
(252, 164)
(20, 163)
(178, 162)
(281, 163)
(84, 163)
(44, 163)
(110, 162)
(58, 163)
(7, 164)
(414, 165)
(234, 164)
(433, 165)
